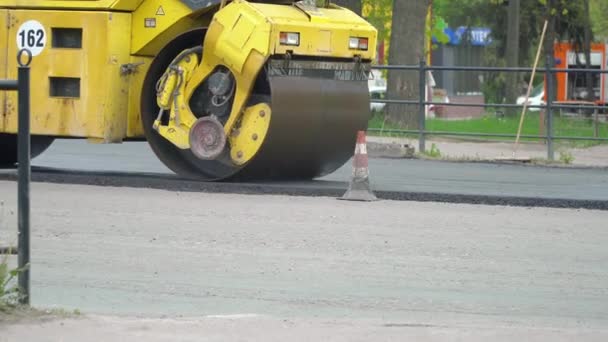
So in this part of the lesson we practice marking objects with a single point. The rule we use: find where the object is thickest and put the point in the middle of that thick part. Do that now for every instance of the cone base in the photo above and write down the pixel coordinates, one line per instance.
(359, 195)
(359, 190)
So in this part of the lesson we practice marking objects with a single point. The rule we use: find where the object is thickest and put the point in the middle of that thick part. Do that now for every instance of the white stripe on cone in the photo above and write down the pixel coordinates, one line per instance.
(360, 172)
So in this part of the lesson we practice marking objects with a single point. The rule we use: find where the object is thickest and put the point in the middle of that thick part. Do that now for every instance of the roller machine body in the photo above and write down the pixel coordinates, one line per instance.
(220, 90)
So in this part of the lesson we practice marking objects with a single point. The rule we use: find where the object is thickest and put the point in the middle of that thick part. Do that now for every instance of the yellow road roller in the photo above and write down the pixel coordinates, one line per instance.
(219, 89)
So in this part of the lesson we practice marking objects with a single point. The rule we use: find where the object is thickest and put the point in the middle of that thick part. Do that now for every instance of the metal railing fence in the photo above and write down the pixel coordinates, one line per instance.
(549, 107)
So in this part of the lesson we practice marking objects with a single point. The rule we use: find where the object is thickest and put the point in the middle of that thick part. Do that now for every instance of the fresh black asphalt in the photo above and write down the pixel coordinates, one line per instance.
(134, 165)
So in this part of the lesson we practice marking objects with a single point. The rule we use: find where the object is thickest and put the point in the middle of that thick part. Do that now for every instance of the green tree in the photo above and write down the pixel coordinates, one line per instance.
(566, 22)
(599, 18)
(379, 13)
(512, 52)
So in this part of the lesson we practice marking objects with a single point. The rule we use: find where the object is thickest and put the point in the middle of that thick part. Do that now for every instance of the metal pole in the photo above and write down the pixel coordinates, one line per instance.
(596, 128)
(8, 85)
(23, 147)
(421, 106)
(550, 99)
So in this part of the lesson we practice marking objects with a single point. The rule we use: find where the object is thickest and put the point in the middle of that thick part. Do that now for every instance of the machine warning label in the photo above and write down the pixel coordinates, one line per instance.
(160, 11)
(32, 36)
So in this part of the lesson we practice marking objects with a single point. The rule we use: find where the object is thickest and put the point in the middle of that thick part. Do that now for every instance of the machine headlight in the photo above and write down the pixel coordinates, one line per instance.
(358, 43)
(289, 38)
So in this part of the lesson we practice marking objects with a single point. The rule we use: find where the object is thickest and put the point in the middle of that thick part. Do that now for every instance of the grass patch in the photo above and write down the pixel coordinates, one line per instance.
(378, 122)
(491, 124)
(9, 292)
(434, 152)
(566, 157)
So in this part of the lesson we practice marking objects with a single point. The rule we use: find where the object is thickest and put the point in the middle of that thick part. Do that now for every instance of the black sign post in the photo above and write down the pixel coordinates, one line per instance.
(22, 86)
(23, 147)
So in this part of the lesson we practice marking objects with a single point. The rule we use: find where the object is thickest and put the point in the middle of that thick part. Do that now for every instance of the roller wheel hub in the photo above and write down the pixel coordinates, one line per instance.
(207, 138)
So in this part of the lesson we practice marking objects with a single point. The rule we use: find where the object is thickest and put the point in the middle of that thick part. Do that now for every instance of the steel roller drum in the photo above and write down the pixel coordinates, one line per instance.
(313, 128)
(316, 113)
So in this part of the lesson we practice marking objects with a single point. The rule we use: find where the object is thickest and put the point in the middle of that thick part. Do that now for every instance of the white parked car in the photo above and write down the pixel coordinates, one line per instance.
(377, 93)
(377, 90)
(536, 98)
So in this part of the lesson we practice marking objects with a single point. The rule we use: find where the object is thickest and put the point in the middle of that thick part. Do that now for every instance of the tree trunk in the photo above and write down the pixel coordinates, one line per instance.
(353, 5)
(407, 48)
(512, 53)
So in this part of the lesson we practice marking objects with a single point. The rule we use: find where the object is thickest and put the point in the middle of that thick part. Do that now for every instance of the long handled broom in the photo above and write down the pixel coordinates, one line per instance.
(523, 110)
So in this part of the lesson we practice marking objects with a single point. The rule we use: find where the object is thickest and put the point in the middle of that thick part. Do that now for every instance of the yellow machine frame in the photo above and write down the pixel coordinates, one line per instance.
(119, 41)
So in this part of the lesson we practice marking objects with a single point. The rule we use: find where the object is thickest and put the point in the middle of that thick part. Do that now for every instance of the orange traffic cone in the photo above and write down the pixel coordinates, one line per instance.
(359, 188)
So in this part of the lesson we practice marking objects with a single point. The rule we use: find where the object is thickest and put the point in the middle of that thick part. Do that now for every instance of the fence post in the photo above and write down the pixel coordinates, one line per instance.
(596, 128)
(23, 200)
(421, 105)
(550, 99)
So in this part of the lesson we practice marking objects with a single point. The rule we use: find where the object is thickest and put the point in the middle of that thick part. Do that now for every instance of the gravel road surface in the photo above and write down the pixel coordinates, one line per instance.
(300, 268)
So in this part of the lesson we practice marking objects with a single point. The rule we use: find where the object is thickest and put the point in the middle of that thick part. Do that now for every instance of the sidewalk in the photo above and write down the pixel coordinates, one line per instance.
(596, 156)
(267, 329)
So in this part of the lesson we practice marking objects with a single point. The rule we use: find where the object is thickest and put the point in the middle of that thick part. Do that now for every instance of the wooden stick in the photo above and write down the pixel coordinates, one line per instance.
(523, 111)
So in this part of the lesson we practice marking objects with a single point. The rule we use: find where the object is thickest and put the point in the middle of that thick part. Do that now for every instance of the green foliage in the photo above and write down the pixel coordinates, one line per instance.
(380, 12)
(569, 22)
(492, 13)
(569, 17)
(9, 293)
(436, 29)
(434, 152)
(566, 157)
(599, 18)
